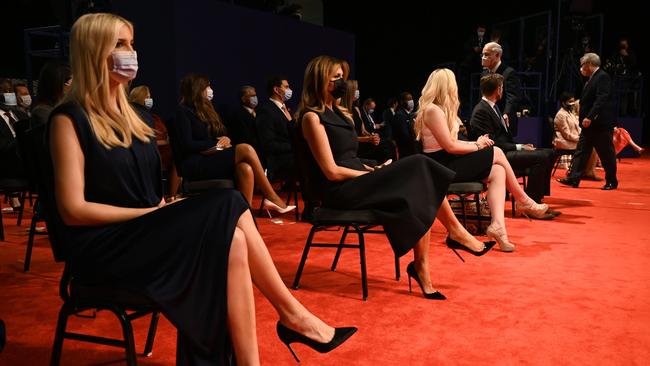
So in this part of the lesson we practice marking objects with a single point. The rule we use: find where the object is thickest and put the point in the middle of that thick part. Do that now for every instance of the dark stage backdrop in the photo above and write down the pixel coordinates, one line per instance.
(234, 46)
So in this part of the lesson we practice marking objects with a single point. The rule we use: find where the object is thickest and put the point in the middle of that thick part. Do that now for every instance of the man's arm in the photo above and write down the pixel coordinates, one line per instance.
(603, 90)
(512, 89)
(481, 124)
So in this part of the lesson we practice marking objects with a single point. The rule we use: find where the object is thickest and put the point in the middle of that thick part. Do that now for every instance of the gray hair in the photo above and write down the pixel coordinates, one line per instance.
(493, 46)
(590, 58)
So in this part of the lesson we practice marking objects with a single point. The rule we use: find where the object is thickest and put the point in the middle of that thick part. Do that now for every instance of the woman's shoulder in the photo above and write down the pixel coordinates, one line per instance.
(72, 110)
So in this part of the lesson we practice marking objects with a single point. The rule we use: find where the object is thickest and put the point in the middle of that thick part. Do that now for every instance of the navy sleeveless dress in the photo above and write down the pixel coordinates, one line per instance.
(177, 255)
(405, 195)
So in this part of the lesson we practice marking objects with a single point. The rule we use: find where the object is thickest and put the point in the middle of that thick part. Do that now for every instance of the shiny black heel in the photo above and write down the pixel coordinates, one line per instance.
(454, 246)
(288, 336)
(411, 272)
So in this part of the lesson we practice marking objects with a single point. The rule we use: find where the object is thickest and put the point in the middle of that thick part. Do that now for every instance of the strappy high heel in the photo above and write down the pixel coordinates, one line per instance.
(288, 336)
(532, 209)
(411, 272)
(499, 234)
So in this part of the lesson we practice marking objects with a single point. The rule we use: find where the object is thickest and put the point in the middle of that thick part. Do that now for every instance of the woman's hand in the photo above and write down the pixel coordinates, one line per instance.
(484, 141)
(223, 142)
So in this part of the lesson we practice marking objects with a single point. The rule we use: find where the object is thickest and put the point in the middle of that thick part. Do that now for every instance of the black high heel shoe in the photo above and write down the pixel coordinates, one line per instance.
(411, 272)
(288, 336)
(454, 245)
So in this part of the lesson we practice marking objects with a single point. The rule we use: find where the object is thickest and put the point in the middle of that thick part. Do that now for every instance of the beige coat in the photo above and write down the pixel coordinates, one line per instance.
(567, 130)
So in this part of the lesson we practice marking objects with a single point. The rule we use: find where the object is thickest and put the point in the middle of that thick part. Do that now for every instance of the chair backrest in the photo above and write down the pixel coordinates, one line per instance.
(36, 142)
(304, 161)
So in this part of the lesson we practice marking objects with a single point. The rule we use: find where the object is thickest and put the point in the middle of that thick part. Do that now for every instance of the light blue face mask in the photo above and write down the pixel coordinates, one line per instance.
(410, 104)
(253, 101)
(357, 94)
(148, 102)
(287, 94)
(371, 111)
(9, 99)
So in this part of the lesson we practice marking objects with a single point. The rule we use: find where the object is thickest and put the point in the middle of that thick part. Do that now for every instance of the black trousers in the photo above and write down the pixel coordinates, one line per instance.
(540, 162)
(601, 140)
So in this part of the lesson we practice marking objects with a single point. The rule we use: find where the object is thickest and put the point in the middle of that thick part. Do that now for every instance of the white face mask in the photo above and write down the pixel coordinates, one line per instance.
(253, 101)
(480, 34)
(125, 63)
(26, 100)
(287, 94)
(410, 104)
(371, 111)
(148, 102)
(209, 93)
(9, 99)
(357, 94)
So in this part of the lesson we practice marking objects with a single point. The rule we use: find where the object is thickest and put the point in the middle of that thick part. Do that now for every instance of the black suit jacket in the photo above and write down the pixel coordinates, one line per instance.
(272, 130)
(403, 133)
(484, 120)
(11, 165)
(512, 94)
(242, 128)
(596, 101)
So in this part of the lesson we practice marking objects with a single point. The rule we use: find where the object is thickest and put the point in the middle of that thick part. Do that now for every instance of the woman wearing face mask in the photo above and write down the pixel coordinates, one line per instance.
(53, 83)
(206, 149)
(197, 258)
(406, 195)
(142, 102)
(567, 132)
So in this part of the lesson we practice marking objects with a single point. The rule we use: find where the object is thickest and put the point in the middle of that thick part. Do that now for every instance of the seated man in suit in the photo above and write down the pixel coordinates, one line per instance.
(487, 119)
(402, 126)
(272, 121)
(385, 144)
(242, 125)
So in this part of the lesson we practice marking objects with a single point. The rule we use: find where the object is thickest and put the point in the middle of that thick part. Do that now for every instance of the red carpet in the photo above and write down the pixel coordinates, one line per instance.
(576, 292)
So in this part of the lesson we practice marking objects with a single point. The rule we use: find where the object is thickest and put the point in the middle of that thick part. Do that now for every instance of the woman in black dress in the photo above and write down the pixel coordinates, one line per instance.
(206, 151)
(196, 258)
(437, 126)
(407, 195)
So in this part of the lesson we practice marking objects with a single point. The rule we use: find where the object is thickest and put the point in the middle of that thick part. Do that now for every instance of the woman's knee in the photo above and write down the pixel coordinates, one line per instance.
(244, 169)
(244, 149)
(238, 249)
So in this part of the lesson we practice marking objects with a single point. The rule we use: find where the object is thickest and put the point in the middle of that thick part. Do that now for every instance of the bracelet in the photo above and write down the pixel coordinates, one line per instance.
(478, 146)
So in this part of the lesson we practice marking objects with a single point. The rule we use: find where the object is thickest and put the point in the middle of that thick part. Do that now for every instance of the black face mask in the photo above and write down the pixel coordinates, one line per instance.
(339, 88)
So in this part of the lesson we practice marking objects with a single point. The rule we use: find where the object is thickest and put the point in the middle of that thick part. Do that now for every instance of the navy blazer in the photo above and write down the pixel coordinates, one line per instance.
(484, 120)
(272, 130)
(596, 101)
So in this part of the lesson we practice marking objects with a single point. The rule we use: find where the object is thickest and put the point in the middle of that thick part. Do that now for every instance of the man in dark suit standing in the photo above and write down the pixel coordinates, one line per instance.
(597, 116)
(488, 119)
(273, 119)
(509, 106)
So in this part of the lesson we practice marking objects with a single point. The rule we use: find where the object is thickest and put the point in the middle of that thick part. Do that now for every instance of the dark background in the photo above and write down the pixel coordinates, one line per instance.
(397, 43)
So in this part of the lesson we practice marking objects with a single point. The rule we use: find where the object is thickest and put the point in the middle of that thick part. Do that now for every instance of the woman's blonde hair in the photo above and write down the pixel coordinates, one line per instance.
(92, 39)
(314, 87)
(441, 89)
(139, 94)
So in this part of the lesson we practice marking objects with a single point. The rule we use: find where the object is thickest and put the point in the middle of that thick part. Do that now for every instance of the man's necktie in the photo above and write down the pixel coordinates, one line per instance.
(286, 112)
(503, 123)
(12, 120)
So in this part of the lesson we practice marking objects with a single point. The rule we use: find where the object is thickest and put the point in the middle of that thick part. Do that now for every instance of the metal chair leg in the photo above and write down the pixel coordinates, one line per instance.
(127, 332)
(301, 266)
(148, 348)
(61, 324)
(30, 242)
(338, 250)
(362, 258)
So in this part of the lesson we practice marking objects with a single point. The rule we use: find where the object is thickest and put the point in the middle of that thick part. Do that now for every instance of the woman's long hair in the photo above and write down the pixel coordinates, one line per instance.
(51, 82)
(314, 87)
(139, 94)
(192, 88)
(92, 39)
(441, 89)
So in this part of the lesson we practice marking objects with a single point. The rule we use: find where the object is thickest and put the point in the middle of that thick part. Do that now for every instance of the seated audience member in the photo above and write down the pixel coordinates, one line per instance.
(206, 151)
(405, 207)
(11, 164)
(141, 99)
(437, 126)
(488, 119)
(371, 146)
(53, 83)
(387, 119)
(402, 126)
(23, 98)
(242, 127)
(197, 258)
(272, 121)
(567, 131)
(368, 117)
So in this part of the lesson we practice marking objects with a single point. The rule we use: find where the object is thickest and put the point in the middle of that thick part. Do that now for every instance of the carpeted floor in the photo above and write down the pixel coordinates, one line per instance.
(575, 292)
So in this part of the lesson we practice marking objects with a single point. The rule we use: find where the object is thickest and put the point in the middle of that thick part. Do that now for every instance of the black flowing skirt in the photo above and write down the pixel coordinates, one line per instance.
(405, 195)
(218, 165)
(472, 167)
(178, 257)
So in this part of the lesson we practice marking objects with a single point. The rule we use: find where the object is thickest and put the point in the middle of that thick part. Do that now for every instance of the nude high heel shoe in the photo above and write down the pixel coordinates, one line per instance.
(499, 234)
(268, 205)
(532, 209)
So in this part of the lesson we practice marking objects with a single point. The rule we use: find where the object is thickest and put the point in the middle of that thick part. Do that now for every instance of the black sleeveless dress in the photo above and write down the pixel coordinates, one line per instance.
(405, 195)
(176, 255)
